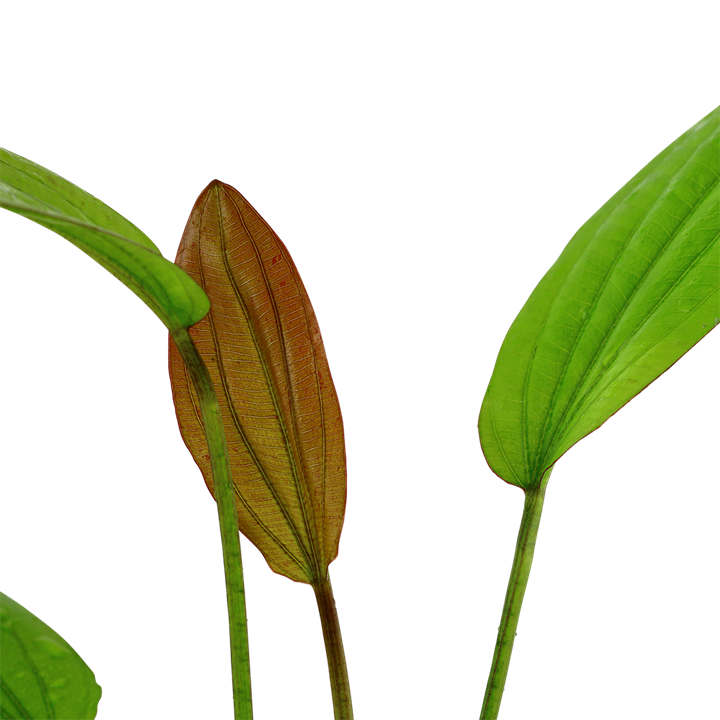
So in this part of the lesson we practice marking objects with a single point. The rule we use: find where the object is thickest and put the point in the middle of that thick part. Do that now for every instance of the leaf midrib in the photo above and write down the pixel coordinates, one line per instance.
(297, 473)
(236, 420)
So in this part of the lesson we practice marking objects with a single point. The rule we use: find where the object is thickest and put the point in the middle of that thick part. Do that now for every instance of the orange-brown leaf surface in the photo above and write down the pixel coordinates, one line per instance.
(262, 345)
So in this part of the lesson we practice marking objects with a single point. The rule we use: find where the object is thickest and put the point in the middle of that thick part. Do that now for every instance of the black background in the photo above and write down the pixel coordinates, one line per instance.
(418, 240)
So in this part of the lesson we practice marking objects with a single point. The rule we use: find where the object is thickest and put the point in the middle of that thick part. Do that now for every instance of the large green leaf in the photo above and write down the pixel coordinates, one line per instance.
(633, 291)
(41, 676)
(41, 195)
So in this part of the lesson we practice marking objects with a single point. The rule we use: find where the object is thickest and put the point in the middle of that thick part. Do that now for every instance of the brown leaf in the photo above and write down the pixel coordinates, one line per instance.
(262, 345)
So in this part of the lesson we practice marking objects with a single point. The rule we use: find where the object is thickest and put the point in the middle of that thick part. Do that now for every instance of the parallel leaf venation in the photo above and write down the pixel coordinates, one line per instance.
(634, 289)
(613, 280)
(230, 404)
(294, 451)
(264, 351)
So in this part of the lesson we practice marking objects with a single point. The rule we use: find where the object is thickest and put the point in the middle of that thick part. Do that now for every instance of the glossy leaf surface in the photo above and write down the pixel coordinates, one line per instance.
(41, 676)
(637, 286)
(114, 242)
(262, 345)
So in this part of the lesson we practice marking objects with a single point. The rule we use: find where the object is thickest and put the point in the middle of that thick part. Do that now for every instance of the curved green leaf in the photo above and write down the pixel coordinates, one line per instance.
(633, 291)
(114, 242)
(41, 676)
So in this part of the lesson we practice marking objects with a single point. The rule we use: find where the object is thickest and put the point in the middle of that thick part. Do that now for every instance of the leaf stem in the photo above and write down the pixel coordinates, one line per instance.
(225, 497)
(524, 551)
(339, 681)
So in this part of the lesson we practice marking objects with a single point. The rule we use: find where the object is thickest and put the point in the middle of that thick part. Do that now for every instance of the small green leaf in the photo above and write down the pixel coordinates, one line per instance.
(633, 291)
(41, 676)
(114, 242)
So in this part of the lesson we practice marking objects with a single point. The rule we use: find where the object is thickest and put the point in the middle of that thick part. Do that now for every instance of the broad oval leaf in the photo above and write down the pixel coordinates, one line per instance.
(262, 345)
(114, 242)
(41, 676)
(636, 287)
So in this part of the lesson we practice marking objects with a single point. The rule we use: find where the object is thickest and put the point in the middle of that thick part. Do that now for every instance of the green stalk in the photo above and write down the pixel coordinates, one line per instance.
(339, 682)
(230, 536)
(524, 551)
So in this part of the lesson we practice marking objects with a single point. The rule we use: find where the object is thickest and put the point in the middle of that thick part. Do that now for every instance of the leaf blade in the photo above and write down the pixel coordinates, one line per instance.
(264, 351)
(41, 676)
(635, 289)
(114, 242)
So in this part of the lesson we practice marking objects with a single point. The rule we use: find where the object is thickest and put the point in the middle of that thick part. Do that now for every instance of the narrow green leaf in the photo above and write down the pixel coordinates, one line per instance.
(633, 291)
(114, 242)
(41, 676)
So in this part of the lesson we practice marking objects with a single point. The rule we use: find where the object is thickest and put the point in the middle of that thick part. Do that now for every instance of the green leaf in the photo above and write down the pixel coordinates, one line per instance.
(633, 291)
(41, 676)
(114, 242)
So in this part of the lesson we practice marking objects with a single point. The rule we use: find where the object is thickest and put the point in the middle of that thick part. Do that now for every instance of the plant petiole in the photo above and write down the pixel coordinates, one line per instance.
(225, 497)
(339, 682)
(522, 562)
